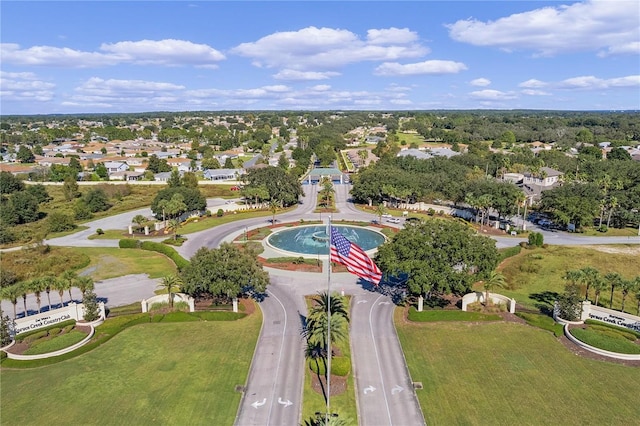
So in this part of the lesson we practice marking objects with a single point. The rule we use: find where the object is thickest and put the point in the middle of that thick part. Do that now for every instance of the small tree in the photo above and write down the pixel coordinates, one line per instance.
(139, 220)
(536, 239)
(170, 283)
(569, 307)
(495, 280)
(6, 326)
(91, 307)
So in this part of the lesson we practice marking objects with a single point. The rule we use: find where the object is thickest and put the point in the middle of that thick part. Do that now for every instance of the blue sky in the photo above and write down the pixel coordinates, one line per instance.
(89, 56)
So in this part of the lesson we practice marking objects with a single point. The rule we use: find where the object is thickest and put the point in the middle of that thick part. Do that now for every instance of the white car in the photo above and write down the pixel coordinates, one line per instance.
(393, 220)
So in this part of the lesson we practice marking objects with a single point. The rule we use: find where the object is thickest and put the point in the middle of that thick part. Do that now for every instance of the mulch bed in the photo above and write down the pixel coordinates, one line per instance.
(338, 384)
(290, 266)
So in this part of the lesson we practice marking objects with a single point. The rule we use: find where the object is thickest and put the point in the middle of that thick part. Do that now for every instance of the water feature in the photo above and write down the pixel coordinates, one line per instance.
(313, 239)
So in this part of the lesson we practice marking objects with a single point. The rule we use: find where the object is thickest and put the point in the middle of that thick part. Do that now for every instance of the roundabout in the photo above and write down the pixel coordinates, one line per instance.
(313, 239)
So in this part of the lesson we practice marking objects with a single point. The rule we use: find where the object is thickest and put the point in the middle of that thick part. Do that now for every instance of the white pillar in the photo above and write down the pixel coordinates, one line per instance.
(420, 303)
(144, 305)
(146, 230)
(235, 304)
(130, 230)
(586, 310)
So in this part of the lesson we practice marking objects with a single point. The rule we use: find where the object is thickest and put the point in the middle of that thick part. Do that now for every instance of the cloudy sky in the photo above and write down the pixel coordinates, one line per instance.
(88, 56)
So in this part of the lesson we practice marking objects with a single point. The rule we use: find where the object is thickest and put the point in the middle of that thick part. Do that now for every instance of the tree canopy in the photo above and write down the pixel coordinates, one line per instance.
(225, 271)
(439, 256)
(282, 188)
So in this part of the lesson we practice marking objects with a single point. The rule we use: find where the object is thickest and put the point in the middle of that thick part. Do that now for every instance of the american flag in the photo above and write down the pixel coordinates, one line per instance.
(353, 257)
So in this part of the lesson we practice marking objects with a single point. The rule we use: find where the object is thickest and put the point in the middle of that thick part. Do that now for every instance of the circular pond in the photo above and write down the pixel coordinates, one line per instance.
(313, 239)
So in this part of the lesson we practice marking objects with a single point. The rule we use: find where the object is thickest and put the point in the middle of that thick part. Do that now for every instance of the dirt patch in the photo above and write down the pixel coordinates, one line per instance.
(632, 250)
(338, 384)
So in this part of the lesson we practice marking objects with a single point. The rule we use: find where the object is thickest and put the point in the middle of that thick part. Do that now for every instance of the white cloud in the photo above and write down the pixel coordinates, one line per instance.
(492, 95)
(293, 75)
(533, 84)
(480, 82)
(321, 88)
(391, 36)
(534, 92)
(426, 67)
(161, 52)
(25, 86)
(590, 82)
(164, 52)
(631, 48)
(593, 25)
(314, 48)
(54, 56)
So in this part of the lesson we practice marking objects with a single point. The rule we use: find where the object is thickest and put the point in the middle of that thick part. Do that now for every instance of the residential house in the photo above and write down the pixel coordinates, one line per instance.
(126, 175)
(116, 166)
(223, 174)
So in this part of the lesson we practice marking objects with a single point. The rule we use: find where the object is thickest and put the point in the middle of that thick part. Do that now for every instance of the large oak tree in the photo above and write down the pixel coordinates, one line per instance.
(438, 256)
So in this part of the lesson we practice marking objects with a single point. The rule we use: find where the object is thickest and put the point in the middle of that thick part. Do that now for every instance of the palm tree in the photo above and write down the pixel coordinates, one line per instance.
(70, 277)
(316, 352)
(575, 276)
(84, 284)
(614, 280)
(627, 286)
(588, 276)
(494, 280)
(170, 282)
(139, 220)
(173, 225)
(50, 283)
(37, 286)
(335, 304)
(598, 285)
(380, 210)
(62, 285)
(24, 291)
(273, 207)
(613, 203)
(11, 293)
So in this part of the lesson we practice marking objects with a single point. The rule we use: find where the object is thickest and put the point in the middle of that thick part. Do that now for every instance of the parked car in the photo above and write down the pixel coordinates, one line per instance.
(393, 220)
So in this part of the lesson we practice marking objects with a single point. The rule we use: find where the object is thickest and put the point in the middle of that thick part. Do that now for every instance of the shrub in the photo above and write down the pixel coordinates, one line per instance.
(99, 231)
(170, 252)
(181, 306)
(509, 252)
(128, 243)
(220, 213)
(317, 367)
(35, 336)
(298, 260)
(340, 366)
(158, 306)
(91, 307)
(536, 239)
(542, 321)
(55, 331)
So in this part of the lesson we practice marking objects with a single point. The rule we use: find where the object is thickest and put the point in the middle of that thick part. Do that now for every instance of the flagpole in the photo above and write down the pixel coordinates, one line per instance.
(328, 372)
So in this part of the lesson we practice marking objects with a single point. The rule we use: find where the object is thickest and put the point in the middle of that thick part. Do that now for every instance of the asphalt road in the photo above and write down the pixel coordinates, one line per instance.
(384, 388)
(273, 395)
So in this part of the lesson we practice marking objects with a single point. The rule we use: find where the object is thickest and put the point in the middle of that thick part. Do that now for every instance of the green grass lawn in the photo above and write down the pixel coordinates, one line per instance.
(535, 276)
(162, 373)
(506, 373)
(111, 262)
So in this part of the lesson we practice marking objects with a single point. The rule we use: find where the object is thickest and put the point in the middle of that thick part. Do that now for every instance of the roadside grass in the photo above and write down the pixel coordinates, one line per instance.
(611, 232)
(213, 221)
(37, 262)
(544, 322)
(65, 233)
(506, 371)
(167, 373)
(535, 277)
(112, 262)
(434, 315)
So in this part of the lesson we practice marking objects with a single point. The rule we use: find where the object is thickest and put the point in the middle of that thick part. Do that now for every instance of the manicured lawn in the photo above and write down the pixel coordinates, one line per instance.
(507, 373)
(534, 277)
(433, 315)
(162, 373)
(111, 262)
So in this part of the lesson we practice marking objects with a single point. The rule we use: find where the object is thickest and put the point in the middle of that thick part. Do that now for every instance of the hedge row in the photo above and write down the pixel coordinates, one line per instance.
(170, 252)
